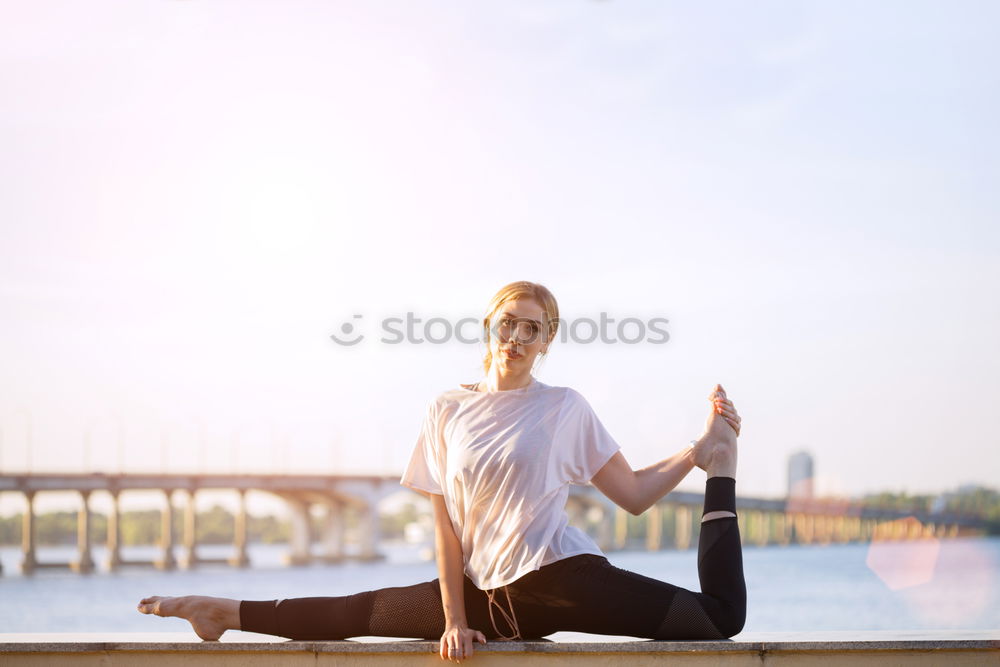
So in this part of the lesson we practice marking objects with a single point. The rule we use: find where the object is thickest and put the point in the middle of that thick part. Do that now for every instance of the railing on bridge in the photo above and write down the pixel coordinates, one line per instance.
(673, 521)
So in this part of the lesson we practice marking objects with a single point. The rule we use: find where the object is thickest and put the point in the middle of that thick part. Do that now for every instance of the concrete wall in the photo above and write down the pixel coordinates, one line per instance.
(791, 649)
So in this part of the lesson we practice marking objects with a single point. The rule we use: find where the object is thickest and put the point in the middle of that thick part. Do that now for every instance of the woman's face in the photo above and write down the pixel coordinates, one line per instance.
(517, 334)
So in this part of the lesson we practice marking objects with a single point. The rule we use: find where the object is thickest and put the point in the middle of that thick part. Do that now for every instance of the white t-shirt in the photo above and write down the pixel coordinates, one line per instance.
(504, 461)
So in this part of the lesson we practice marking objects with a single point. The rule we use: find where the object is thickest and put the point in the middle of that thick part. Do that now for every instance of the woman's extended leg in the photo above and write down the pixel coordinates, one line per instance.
(401, 611)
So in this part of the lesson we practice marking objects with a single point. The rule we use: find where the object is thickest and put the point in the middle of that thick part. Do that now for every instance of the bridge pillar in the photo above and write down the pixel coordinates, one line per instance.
(654, 528)
(868, 527)
(300, 540)
(621, 528)
(166, 561)
(761, 523)
(751, 526)
(816, 527)
(370, 533)
(821, 530)
(240, 558)
(84, 562)
(781, 531)
(606, 529)
(682, 527)
(333, 532)
(28, 562)
(805, 525)
(114, 533)
(853, 529)
(190, 541)
(840, 528)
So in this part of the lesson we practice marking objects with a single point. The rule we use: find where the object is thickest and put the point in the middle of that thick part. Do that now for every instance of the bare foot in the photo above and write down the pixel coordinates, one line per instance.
(209, 616)
(715, 450)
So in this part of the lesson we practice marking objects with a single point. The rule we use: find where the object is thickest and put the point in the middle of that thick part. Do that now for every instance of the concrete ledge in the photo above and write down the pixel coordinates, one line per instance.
(784, 648)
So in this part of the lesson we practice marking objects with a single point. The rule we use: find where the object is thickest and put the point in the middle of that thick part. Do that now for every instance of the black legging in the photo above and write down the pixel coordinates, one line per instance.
(582, 593)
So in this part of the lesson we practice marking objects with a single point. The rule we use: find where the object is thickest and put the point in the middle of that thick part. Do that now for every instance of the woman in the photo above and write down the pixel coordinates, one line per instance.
(496, 459)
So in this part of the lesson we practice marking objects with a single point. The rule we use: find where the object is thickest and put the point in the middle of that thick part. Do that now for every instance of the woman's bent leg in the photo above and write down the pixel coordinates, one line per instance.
(721, 605)
(402, 611)
(589, 594)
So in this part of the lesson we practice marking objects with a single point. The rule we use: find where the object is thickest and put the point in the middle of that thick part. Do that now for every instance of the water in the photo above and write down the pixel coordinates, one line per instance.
(924, 585)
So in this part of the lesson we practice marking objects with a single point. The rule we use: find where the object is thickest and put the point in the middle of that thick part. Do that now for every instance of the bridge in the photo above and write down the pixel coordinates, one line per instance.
(674, 521)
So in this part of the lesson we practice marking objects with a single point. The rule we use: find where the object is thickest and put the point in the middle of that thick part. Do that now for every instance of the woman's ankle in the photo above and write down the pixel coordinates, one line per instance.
(723, 463)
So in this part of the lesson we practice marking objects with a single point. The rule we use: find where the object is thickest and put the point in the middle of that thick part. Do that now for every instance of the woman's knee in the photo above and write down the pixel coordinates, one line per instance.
(699, 616)
(729, 619)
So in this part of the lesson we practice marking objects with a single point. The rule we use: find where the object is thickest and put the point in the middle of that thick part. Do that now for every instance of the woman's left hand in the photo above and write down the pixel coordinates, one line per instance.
(724, 407)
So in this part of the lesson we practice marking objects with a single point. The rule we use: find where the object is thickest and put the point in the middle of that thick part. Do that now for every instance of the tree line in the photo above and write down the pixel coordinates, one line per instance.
(973, 500)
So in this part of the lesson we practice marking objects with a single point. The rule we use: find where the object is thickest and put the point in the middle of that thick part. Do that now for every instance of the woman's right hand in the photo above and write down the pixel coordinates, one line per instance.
(724, 408)
(459, 638)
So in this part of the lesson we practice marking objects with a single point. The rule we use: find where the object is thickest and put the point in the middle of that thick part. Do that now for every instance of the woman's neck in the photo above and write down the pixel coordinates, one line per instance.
(497, 381)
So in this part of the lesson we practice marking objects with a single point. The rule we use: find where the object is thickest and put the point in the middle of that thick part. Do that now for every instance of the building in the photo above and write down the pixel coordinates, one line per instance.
(800, 475)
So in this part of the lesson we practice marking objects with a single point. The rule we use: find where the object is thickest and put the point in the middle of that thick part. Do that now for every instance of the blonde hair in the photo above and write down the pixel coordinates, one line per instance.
(521, 289)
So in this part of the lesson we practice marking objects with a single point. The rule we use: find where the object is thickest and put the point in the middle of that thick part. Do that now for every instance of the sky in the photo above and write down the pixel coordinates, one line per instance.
(195, 195)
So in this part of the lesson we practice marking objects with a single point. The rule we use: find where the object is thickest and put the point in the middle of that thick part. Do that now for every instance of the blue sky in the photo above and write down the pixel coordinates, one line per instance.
(194, 195)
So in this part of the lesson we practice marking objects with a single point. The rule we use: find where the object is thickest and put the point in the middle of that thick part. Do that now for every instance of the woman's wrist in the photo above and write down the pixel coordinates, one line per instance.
(689, 452)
